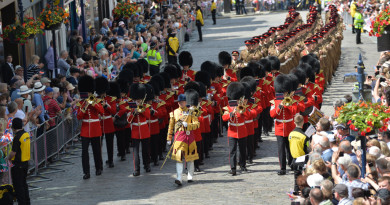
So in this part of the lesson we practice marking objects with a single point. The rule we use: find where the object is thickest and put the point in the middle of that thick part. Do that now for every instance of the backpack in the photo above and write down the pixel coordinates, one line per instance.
(7, 194)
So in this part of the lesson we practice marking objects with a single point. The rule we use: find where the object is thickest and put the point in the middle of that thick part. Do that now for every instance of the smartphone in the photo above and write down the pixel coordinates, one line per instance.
(382, 80)
(378, 67)
(370, 164)
(341, 154)
(369, 77)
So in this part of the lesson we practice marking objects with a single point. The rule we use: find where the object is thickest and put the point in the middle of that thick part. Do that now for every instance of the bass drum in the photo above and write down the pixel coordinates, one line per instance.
(307, 111)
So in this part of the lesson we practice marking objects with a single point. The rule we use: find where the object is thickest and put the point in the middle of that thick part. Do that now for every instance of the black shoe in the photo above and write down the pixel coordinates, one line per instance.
(107, 161)
(98, 172)
(360, 43)
(266, 134)
(214, 23)
(200, 41)
(197, 169)
(257, 146)
(110, 164)
(215, 141)
(160, 158)
(147, 169)
(250, 161)
(243, 169)
(86, 176)
(128, 151)
(123, 158)
(232, 172)
(207, 156)
(261, 140)
(177, 182)
(136, 173)
(190, 181)
(282, 172)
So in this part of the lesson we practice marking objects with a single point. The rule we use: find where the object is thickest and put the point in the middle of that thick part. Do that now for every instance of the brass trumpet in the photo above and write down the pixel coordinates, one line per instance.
(91, 99)
(287, 100)
(241, 107)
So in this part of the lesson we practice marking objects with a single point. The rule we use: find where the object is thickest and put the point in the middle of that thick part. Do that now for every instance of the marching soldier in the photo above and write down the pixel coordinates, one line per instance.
(185, 60)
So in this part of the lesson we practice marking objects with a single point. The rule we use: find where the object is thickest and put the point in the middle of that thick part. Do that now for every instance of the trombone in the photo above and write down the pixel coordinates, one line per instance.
(140, 108)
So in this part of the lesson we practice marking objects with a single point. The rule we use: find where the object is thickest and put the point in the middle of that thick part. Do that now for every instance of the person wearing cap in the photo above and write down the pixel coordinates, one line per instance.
(245, 54)
(45, 81)
(341, 194)
(358, 22)
(25, 94)
(181, 128)
(172, 46)
(121, 29)
(53, 109)
(19, 156)
(236, 65)
(199, 22)
(154, 59)
(38, 102)
(19, 71)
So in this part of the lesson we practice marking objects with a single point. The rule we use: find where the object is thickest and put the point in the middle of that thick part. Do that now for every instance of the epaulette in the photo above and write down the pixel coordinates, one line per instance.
(257, 100)
(113, 99)
(98, 100)
(209, 102)
(202, 103)
(147, 105)
(160, 104)
(307, 91)
(225, 108)
(258, 88)
(301, 98)
(121, 102)
(316, 86)
(254, 106)
(272, 102)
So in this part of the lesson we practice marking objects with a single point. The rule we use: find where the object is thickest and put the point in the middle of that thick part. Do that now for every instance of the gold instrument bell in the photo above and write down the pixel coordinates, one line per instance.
(91, 99)
(287, 101)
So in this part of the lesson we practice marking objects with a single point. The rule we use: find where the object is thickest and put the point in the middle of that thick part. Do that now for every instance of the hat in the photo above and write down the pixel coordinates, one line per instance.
(86, 84)
(17, 123)
(341, 189)
(142, 30)
(185, 59)
(24, 90)
(225, 58)
(235, 91)
(48, 90)
(341, 126)
(149, 92)
(235, 53)
(56, 89)
(203, 77)
(248, 42)
(192, 97)
(18, 67)
(137, 91)
(210, 68)
(282, 83)
(181, 97)
(80, 61)
(315, 180)
(121, 23)
(70, 86)
(38, 87)
(45, 80)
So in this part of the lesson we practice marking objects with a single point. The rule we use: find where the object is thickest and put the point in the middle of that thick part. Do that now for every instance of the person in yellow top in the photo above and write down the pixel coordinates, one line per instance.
(20, 155)
(353, 11)
(214, 11)
(299, 143)
(154, 59)
(199, 22)
(183, 121)
(172, 46)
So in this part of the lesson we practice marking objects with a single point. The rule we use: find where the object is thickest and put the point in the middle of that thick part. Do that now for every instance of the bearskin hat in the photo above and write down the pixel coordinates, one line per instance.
(300, 74)
(149, 92)
(247, 90)
(156, 87)
(101, 85)
(224, 58)
(316, 66)
(86, 84)
(220, 72)
(306, 59)
(124, 86)
(250, 81)
(282, 83)
(192, 85)
(171, 70)
(179, 72)
(137, 91)
(266, 64)
(143, 64)
(313, 55)
(202, 90)
(115, 90)
(133, 67)
(275, 62)
(254, 66)
(185, 59)
(294, 82)
(192, 97)
(246, 71)
(159, 81)
(210, 68)
(203, 77)
(308, 70)
(126, 74)
(167, 79)
(235, 91)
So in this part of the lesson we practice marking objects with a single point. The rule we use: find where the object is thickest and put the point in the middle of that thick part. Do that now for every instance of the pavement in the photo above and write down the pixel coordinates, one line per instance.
(261, 185)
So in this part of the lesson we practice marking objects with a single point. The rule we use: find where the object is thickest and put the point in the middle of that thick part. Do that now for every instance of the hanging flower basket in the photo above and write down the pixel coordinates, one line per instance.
(124, 10)
(21, 33)
(53, 17)
(364, 117)
(381, 23)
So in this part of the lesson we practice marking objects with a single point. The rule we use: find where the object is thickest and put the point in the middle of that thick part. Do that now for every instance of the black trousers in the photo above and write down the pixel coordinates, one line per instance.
(145, 143)
(97, 153)
(154, 147)
(19, 181)
(214, 129)
(267, 120)
(250, 146)
(163, 141)
(353, 26)
(128, 138)
(206, 142)
(154, 69)
(213, 15)
(200, 31)
(172, 59)
(358, 33)
(233, 152)
(121, 142)
(200, 152)
(283, 152)
(110, 146)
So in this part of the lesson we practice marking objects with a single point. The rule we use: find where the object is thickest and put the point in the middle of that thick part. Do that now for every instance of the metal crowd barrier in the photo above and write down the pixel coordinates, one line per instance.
(347, 18)
(48, 147)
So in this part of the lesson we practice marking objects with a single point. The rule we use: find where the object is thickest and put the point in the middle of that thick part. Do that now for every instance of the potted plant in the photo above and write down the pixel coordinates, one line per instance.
(364, 117)
(20, 33)
(381, 29)
(53, 17)
(124, 10)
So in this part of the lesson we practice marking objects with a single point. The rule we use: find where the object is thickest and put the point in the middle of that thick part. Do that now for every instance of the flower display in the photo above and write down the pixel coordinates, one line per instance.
(20, 33)
(158, 1)
(379, 24)
(364, 117)
(124, 10)
(53, 16)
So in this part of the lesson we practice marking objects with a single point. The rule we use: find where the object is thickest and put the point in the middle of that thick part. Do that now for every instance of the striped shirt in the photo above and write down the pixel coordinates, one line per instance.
(32, 69)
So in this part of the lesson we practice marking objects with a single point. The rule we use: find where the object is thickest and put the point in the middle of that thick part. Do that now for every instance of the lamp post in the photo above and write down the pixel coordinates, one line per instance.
(360, 69)
(21, 14)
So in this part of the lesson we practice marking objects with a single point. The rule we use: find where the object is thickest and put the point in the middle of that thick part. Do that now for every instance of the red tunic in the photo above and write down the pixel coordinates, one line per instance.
(230, 75)
(284, 122)
(158, 112)
(237, 128)
(123, 110)
(139, 125)
(90, 124)
(107, 120)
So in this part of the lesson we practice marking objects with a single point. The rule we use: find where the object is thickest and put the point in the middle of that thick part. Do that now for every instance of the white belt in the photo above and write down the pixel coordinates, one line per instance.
(91, 120)
(152, 121)
(248, 121)
(106, 117)
(236, 124)
(138, 124)
(283, 121)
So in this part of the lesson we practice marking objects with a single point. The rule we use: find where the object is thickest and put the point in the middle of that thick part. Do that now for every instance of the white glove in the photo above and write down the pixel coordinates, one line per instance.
(169, 143)
(185, 124)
